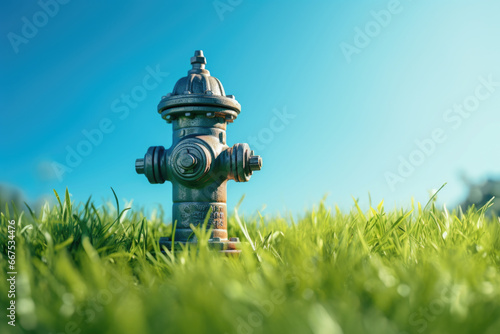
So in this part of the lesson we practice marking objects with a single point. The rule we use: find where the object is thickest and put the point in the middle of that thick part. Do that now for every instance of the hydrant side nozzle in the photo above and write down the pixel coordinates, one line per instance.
(242, 162)
(151, 165)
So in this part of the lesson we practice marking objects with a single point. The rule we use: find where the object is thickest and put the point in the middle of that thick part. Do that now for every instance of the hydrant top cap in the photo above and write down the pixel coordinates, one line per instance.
(198, 58)
(198, 92)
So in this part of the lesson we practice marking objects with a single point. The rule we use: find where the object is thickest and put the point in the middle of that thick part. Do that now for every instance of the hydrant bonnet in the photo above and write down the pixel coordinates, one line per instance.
(199, 93)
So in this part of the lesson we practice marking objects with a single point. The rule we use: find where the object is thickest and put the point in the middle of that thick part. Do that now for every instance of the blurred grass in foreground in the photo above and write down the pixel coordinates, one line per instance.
(88, 270)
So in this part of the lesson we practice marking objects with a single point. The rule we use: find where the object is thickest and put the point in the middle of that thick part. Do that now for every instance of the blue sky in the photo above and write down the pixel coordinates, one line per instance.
(394, 98)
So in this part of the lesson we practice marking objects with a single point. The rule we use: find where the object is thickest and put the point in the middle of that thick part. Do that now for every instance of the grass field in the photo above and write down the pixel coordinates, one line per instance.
(82, 269)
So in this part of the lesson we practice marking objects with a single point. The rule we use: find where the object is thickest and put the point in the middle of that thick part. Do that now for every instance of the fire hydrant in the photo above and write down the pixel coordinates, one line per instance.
(199, 163)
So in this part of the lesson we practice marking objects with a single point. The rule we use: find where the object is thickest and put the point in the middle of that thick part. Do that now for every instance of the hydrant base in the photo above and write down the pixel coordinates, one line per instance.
(229, 246)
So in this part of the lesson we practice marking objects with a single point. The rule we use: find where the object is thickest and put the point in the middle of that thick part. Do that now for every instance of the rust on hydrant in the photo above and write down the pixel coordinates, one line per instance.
(199, 163)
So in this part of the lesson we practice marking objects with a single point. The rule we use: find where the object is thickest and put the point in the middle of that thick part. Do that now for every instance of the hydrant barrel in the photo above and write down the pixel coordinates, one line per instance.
(199, 163)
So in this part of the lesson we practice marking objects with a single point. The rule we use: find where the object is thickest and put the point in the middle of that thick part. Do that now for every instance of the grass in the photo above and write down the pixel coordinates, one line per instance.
(83, 269)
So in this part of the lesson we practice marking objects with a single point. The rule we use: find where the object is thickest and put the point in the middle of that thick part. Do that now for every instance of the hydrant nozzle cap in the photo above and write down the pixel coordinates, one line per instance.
(255, 162)
(139, 166)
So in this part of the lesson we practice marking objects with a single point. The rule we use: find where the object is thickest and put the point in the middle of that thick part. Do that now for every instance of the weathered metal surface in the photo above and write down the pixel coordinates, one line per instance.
(199, 163)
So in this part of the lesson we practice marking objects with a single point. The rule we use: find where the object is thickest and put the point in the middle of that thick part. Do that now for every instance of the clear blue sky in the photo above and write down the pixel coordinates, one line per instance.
(364, 80)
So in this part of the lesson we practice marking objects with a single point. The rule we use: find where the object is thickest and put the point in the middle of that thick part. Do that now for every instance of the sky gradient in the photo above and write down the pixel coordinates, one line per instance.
(391, 98)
